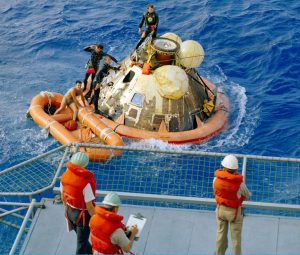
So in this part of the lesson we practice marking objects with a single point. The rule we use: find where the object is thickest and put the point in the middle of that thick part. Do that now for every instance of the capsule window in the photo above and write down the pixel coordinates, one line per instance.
(133, 113)
(129, 76)
(137, 99)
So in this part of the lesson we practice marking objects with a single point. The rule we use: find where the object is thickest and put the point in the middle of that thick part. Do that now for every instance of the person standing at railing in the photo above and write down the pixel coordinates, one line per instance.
(108, 234)
(230, 191)
(78, 191)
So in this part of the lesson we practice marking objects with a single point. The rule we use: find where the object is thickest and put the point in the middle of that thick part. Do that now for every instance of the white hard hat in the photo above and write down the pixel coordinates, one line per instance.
(112, 199)
(230, 162)
(80, 158)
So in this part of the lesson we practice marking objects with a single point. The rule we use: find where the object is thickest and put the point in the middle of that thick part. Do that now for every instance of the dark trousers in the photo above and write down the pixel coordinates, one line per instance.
(95, 99)
(82, 231)
(148, 31)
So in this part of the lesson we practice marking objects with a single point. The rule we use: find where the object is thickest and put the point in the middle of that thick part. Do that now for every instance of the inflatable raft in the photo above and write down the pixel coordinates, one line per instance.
(156, 93)
(90, 129)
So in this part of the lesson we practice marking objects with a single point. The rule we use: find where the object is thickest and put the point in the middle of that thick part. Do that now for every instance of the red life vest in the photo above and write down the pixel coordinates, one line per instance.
(226, 186)
(74, 181)
(102, 224)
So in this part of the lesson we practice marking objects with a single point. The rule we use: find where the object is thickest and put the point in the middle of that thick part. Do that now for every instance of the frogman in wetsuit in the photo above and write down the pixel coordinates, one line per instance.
(98, 79)
(150, 18)
(93, 63)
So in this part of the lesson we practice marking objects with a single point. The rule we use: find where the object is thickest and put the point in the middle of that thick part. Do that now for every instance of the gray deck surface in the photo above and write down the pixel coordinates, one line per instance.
(170, 231)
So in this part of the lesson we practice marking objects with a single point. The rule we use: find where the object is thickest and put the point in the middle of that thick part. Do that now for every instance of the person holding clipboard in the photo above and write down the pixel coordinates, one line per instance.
(108, 233)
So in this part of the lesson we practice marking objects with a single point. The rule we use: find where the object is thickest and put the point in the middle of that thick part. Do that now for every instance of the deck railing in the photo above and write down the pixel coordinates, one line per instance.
(156, 177)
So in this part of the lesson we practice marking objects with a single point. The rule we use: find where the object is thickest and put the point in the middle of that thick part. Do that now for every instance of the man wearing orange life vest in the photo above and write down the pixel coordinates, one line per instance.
(230, 191)
(107, 230)
(78, 189)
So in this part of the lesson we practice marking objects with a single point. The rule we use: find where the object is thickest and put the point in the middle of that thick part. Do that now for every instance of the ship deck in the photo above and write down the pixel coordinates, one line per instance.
(172, 189)
(169, 231)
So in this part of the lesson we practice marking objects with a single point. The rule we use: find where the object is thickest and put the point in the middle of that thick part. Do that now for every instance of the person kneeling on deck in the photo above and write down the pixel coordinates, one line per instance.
(230, 191)
(107, 230)
(78, 189)
(71, 100)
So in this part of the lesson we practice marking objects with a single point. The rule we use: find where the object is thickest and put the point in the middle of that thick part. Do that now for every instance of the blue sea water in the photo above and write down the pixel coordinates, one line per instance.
(252, 52)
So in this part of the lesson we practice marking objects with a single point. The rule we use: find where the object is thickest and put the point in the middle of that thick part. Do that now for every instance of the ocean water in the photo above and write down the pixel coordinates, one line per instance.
(252, 52)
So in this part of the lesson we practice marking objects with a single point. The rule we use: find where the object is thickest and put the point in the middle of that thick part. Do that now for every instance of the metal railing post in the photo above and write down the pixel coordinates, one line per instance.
(244, 169)
(76, 147)
(22, 228)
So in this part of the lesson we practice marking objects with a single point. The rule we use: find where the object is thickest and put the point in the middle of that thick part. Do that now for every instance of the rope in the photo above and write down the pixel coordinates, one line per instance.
(34, 106)
(81, 109)
(49, 124)
(46, 129)
(28, 115)
(107, 135)
(84, 117)
(49, 95)
(85, 135)
(104, 135)
(117, 127)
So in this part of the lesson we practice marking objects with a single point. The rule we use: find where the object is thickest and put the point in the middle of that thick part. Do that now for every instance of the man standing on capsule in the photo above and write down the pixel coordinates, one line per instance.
(150, 18)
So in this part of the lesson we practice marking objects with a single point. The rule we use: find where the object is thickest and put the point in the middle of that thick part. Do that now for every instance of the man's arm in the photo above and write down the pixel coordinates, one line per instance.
(98, 86)
(134, 231)
(119, 238)
(90, 207)
(89, 197)
(142, 22)
(73, 94)
(157, 20)
(244, 191)
(82, 99)
(111, 57)
(88, 49)
(62, 193)
(115, 68)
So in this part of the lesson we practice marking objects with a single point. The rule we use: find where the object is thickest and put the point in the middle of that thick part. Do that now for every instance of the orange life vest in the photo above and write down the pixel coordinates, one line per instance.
(226, 187)
(102, 224)
(74, 181)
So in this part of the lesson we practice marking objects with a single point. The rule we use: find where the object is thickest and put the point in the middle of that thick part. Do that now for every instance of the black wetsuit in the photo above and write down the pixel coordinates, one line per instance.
(99, 77)
(94, 63)
(151, 23)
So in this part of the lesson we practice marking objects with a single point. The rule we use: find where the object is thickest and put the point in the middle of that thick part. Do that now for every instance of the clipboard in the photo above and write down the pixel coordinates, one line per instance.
(136, 219)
